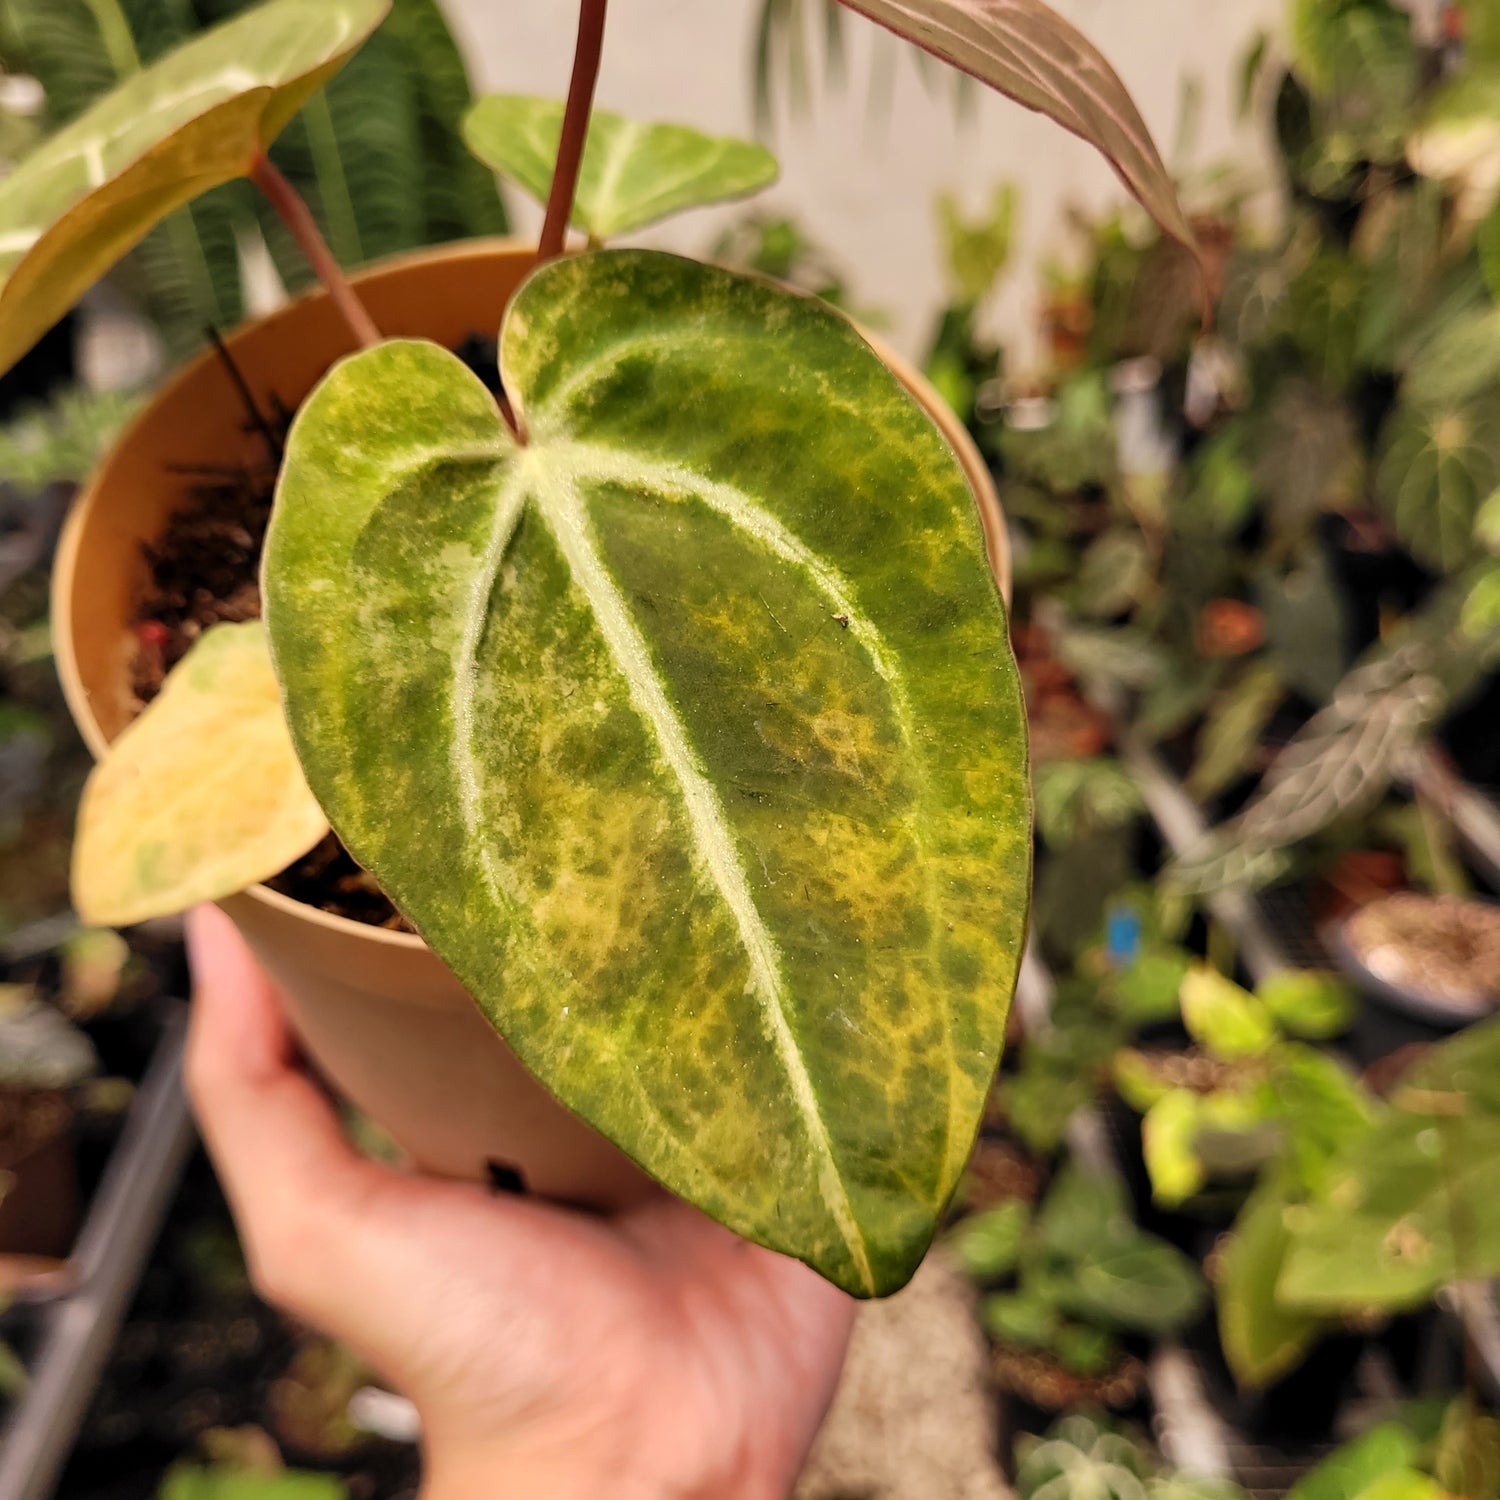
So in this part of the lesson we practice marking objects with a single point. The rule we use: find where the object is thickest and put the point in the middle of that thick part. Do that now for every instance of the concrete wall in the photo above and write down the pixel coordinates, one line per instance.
(864, 188)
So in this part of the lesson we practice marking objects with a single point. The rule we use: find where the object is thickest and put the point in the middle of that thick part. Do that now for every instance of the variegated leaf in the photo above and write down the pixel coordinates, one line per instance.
(201, 796)
(1028, 52)
(187, 123)
(687, 734)
(632, 174)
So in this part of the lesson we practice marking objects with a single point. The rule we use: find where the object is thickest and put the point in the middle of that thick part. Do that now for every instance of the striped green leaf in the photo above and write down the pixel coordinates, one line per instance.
(688, 733)
(1025, 50)
(187, 123)
(632, 174)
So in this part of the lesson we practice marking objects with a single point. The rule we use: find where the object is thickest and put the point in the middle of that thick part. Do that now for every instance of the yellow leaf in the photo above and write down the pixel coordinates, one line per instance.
(201, 797)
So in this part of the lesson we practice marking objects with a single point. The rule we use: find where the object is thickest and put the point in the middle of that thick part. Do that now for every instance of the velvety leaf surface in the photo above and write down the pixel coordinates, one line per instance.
(632, 175)
(1028, 52)
(201, 796)
(688, 734)
(187, 123)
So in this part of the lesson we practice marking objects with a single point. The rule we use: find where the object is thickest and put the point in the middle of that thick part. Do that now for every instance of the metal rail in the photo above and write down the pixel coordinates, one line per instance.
(1474, 816)
(106, 1264)
(1182, 825)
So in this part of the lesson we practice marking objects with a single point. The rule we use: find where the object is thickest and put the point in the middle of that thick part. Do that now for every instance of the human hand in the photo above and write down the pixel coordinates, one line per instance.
(549, 1353)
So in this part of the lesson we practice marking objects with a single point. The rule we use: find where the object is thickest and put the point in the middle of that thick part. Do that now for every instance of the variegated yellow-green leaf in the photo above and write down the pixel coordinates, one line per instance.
(632, 175)
(687, 734)
(187, 123)
(201, 796)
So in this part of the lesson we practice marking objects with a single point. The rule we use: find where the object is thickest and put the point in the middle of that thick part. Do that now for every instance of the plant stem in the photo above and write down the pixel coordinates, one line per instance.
(298, 218)
(114, 31)
(575, 127)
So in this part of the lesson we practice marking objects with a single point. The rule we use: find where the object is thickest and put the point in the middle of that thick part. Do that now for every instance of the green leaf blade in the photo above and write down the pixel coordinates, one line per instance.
(188, 123)
(632, 175)
(728, 835)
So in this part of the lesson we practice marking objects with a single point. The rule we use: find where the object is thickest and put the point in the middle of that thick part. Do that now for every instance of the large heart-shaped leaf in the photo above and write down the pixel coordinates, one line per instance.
(1028, 52)
(189, 122)
(687, 734)
(632, 174)
(201, 796)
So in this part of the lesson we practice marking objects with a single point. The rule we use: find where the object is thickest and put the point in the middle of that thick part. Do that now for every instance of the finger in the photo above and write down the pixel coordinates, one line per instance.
(276, 1141)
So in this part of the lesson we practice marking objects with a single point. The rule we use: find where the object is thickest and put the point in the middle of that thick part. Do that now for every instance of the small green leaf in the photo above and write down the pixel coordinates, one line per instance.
(1381, 1233)
(187, 123)
(632, 174)
(1231, 737)
(202, 796)
(988, 1245)
(1459, 362)
(1467, 1457)
(1405, 1484)
(1137, 1080)
(1481, 612)
(1169, 1141)
(1082, 1208)
(1138, 1283)
(1083, 1350)
(1147, 992)
(1015, 1318)
(1349, 1472)
(1487, 524)
(977, 250)
(1262, 1339)
(1228, 1020)
(706, 698)
(1325, 1108)
(1438, 468)
(1487, 244)
(1308, 1003)
(1078, 798)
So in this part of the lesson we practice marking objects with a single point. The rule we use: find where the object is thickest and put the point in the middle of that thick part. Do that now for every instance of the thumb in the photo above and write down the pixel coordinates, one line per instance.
(273, 1135)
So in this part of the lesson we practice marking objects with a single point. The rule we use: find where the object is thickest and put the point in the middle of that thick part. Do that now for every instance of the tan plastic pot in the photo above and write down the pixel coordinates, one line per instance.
(383, 1018)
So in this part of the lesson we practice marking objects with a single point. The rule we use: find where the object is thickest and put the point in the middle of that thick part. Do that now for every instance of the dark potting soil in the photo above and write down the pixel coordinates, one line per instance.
(204, 570)
(202, 1365)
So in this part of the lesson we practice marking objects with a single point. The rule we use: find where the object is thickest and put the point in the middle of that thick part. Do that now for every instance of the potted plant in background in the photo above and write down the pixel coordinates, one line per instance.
(662, 684)
(1080, 1278)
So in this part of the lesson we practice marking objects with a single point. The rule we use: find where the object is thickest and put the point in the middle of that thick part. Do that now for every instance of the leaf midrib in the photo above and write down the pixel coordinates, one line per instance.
(561, 507)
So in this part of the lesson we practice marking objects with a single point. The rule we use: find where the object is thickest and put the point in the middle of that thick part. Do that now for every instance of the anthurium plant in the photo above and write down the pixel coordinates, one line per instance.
(667, 693)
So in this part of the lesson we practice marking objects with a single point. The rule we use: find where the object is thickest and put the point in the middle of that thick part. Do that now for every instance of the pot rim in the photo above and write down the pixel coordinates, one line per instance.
(976, 474)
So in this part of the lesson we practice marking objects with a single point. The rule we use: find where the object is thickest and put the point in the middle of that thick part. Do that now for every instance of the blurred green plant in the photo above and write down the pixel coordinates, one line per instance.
(1081, 1457)
(1249, 1093)
(1080, 1272)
